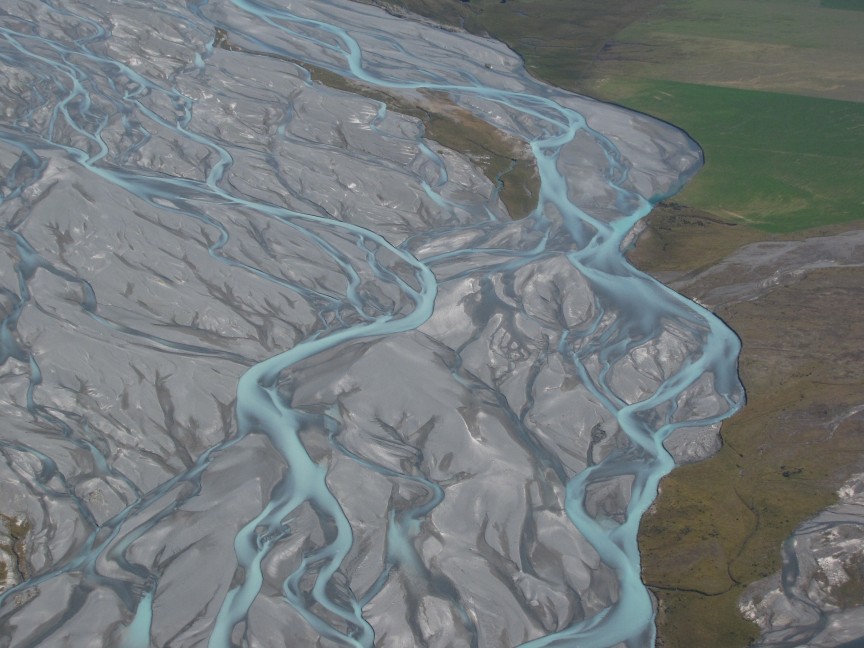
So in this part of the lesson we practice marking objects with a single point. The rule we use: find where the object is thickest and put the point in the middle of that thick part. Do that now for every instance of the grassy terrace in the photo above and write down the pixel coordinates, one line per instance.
(778, 162)
(774, 92)
(718, 525)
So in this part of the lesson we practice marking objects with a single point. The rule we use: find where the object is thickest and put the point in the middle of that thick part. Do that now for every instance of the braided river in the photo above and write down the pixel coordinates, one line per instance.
(280, 370)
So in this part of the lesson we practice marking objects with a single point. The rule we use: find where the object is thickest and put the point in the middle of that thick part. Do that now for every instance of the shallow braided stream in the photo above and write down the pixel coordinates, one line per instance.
(278, 369)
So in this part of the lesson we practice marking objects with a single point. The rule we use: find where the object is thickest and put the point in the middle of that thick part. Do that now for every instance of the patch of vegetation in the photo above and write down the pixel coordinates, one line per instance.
(718, 525)
(681, 237)
(851, 592)
(558, 40)
(505, 160)
(689, 619)
(13, 539)
(777, 162)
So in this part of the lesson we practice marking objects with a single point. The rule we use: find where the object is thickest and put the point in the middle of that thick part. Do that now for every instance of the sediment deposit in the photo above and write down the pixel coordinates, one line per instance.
(277, 367)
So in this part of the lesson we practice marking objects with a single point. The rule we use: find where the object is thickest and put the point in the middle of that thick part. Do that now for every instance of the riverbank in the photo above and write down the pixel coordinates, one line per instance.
(718, 525)
(225, 347)
(743, 79)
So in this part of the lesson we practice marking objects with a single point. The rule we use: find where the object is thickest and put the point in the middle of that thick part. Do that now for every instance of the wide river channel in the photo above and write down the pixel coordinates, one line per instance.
(280, 370)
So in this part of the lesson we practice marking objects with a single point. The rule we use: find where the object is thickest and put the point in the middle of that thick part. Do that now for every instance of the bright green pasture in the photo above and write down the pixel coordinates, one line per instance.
(779, 162)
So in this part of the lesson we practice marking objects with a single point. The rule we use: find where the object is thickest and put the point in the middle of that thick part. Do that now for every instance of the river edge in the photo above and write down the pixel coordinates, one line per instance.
(145, 605)
(738, 542)
(793, 445)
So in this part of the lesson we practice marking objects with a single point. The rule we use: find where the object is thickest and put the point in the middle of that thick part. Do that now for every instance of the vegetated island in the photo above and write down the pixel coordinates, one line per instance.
(767, 236)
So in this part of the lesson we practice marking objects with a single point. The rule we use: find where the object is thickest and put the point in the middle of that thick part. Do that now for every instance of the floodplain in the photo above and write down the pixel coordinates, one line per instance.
(774, 92)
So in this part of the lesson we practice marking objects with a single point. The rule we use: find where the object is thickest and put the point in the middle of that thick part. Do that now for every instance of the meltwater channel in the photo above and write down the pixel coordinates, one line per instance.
(280, 370)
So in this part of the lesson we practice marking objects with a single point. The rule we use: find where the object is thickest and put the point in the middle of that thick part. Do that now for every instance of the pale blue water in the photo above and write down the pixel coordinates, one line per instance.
(80, 88)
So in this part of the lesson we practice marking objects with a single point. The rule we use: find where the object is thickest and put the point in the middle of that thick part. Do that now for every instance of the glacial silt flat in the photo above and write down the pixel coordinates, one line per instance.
(280, 368)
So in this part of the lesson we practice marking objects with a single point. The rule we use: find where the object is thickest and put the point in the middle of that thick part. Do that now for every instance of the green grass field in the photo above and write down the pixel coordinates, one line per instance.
(777, 162)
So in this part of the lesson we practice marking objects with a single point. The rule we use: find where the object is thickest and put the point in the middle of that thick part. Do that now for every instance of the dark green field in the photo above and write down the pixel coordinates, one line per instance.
(854, 5)
(775, 161)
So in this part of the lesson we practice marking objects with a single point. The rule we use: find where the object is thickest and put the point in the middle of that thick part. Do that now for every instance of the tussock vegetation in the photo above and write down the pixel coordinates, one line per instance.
(718, 525)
